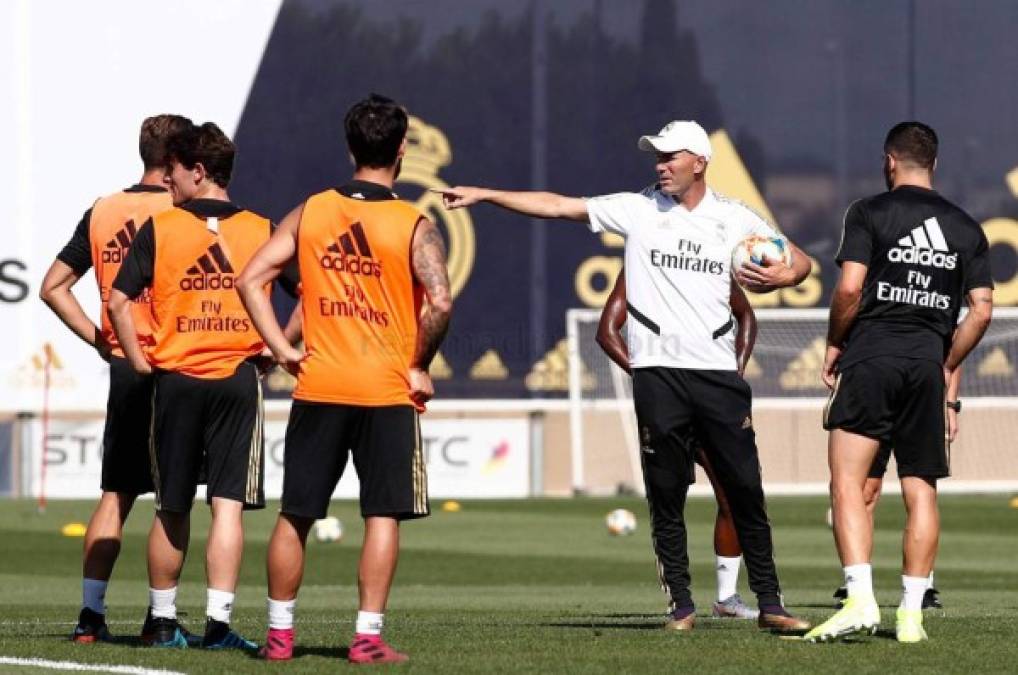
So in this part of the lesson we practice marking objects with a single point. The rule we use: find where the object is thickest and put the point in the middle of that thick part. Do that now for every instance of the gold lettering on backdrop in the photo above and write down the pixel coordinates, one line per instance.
(595, 278)
(551, 373)
(753, 370)
(804, 370)
(428, 151)
(596, 275)
(995, 364)
(440, 369)
(489, 367)
(1003, 231)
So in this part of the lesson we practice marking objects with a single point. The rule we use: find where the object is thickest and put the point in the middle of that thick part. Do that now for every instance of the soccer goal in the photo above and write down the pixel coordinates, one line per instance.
(789, 397)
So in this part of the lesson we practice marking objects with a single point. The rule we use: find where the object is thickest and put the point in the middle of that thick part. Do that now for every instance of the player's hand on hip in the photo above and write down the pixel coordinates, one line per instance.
(830, 372)
(290, 359)
(458, 197)
(142, 367)
(104, 349)
(764, 279)
(264, 361)
(421, 387)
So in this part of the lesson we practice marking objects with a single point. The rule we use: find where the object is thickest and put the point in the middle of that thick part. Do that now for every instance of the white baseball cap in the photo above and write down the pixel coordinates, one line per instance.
(678, 135)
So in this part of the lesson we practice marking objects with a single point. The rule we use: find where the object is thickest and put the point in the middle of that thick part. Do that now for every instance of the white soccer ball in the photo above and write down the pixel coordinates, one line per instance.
(761, 251)
(328, 529)
(620, 522)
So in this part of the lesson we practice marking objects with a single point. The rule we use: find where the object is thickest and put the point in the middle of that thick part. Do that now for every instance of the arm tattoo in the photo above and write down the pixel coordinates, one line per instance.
(428, 259)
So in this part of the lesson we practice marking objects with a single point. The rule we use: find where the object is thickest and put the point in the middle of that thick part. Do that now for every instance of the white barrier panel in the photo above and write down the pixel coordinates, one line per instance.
(464, 458)
(37, 79)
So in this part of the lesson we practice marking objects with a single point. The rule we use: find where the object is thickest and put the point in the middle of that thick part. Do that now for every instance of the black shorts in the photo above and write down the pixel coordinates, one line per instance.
(210, 428)
(899, 402)
(126, 468)
(387, 453)
(879, 466)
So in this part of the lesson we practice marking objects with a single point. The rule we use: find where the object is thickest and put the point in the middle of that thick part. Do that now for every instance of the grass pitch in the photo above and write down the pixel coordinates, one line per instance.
(530, 586)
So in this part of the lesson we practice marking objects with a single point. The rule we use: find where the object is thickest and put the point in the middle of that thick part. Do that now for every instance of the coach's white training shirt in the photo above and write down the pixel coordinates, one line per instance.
(678, 276)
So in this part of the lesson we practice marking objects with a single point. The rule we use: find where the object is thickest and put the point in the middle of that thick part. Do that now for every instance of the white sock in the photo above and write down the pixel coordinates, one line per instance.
(369, 623)
(912, 591)
(93, 595)
(929, 580)
(163, 602)
(219, 605)
(859, 580)
(281, 613)
(728, 575)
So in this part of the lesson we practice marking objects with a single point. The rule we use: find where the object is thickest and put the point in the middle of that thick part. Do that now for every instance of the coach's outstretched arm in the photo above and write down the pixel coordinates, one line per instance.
(971, 328)
(428, 260)
(264, 268)
(533, 204)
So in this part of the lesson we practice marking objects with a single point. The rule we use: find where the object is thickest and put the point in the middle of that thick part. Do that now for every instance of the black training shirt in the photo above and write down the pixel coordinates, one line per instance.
(923, 255)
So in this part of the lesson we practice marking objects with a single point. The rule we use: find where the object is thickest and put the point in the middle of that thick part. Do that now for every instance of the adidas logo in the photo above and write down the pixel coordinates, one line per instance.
(924, 246)
(116, 248)
(211, 272)
(352, 253)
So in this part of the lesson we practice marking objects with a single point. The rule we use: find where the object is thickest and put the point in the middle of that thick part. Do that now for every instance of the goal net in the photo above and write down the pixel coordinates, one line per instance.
(784, 372)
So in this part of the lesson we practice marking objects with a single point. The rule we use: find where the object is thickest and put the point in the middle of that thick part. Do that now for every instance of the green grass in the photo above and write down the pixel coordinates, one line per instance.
(532, 586)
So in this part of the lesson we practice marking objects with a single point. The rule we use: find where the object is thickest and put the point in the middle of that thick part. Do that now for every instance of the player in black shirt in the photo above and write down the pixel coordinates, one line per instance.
(909, 258)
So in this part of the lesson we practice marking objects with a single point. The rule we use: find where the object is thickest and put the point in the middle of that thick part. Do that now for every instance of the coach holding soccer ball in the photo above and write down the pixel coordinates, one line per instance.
(679, 239)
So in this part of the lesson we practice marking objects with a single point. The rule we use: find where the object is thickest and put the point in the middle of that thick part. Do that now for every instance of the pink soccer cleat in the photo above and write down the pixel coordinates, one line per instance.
(372, 649)
(278, 645)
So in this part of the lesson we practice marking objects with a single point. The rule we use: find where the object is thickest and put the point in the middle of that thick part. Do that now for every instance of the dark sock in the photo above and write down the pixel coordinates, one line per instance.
(680, 613)
(774, 609)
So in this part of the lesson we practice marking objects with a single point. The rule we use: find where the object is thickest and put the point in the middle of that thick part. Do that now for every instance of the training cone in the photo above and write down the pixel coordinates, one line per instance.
(1014, 502)
(73, 530)
(451, 506)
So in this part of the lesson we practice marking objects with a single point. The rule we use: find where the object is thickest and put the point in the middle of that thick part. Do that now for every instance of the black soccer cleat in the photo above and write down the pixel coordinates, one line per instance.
(840, 596)
(148, 631)
(931, 599)
(91, 628)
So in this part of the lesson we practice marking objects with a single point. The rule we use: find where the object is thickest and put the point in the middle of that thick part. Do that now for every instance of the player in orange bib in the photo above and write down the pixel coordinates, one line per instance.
(100, 242)
(367, 262)
(207, 392)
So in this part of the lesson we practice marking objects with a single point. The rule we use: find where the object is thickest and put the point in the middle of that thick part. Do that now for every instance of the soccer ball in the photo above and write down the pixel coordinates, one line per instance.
(620, 522)
(328, 529)
(761, 251)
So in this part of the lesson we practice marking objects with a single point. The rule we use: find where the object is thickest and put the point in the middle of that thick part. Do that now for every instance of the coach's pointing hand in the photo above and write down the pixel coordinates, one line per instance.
(458, 197)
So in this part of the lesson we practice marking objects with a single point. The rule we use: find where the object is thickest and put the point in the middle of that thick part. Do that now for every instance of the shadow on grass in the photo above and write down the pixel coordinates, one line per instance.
(830, 606)
(299, 651)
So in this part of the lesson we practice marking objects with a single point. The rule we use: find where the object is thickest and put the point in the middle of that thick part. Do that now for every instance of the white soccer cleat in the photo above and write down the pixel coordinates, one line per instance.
(734, 608)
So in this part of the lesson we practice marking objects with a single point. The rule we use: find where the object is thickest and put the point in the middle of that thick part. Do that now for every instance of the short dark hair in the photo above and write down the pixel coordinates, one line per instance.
(206, 145)
(912, 142)
(375, 128)
(155, 131)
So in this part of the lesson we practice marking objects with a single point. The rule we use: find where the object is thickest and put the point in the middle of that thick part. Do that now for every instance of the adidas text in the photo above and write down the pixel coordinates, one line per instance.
(207, 282)
(352, 265)
(923, 256)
